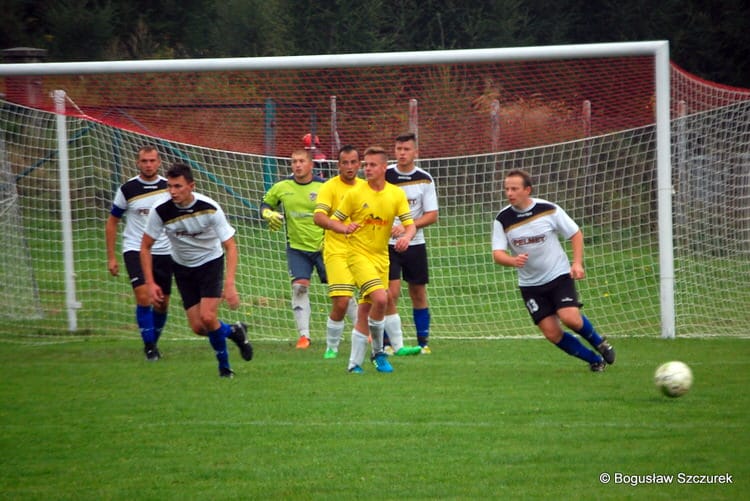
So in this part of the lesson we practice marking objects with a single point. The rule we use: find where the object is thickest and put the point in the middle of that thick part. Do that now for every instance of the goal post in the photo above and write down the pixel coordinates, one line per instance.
(591, 122)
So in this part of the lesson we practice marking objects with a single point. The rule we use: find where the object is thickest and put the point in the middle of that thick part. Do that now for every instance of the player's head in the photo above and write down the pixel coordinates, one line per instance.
(524, 175)
(349, 163)
(181, 170)
(302, 165)
(376, 161)
(180, 183)
(406, 150)
(517, 186)
(149, 162)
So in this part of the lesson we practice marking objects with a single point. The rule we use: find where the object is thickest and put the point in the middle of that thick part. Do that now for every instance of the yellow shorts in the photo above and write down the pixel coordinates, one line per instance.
(340, 279)
(370, 274)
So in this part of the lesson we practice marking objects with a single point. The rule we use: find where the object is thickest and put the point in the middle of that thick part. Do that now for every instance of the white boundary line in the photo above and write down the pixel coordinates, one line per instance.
(42, 340)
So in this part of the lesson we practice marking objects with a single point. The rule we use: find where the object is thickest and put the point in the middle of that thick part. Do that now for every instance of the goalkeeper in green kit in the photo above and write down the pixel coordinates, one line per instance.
(296, 196)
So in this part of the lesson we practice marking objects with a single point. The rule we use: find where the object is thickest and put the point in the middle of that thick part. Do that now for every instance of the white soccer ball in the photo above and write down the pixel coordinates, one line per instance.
(673, 378)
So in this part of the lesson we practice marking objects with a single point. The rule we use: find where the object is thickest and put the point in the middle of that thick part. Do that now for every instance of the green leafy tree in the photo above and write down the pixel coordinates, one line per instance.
(250, 29)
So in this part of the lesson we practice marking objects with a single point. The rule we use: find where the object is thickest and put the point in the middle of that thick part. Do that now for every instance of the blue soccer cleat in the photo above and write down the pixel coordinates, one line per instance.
(380, 360)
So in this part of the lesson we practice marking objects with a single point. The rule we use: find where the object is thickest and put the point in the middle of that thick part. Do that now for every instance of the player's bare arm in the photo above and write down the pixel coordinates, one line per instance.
(404, 240)
(576, 267)
(428, 218)
(334, 224)
(504, 259)
(230, 288)
(157, 296)
(110, 233)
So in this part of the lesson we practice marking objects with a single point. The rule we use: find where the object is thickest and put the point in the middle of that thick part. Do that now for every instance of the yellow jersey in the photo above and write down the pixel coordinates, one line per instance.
(329, 198)
(375, 212)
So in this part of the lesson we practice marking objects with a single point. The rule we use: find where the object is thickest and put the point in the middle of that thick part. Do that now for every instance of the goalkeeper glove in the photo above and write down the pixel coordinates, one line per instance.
(274, 219)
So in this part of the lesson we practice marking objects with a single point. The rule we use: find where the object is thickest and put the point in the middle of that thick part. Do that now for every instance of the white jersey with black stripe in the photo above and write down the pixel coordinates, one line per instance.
(420, 191)
(535, 231)
(134, 200)
(196, 231)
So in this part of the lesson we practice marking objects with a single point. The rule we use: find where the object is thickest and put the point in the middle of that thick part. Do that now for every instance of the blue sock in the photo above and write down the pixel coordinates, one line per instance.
(572, 346)
(422, 323)
(159, 320)
(145, 319)
(589, 333)
(218, 340)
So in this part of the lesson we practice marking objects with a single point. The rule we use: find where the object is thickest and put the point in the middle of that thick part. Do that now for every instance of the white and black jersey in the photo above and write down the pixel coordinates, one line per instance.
(420, 191)
(134, 200)
(195, 232)
(535, 231)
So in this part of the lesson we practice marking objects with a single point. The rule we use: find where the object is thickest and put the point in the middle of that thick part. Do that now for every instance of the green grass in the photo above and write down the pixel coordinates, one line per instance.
(88, 418)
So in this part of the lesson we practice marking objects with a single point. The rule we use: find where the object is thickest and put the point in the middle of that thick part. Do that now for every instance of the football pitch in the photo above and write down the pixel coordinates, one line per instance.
(86, 417)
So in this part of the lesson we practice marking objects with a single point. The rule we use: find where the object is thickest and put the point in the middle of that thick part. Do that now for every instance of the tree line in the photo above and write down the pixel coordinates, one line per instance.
(707, 37)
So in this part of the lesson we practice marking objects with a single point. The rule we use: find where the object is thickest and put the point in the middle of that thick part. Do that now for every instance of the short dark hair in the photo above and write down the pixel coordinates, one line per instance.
(406, 136)
(347, 148)
(180, 169)
(522, 174)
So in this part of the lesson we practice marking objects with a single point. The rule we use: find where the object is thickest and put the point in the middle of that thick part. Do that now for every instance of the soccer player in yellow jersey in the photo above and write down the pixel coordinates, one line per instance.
(335, 248)
(371, 209)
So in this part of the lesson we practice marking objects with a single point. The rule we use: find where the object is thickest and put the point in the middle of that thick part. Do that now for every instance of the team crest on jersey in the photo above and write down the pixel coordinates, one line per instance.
(313, 196)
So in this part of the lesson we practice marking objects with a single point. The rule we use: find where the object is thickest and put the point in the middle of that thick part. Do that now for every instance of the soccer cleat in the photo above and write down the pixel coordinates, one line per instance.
(303, 343)
(598, 366)
(355, 370)
(330, 353)
(426, 350)
(388, 349)
(152, 354)
(405, 351)
(381, 363)
(226, 372)
(606, 351)
(239, 336)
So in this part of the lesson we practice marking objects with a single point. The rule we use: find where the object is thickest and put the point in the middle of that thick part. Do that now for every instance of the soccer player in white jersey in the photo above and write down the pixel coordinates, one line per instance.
(133, 201)
(201, 239)
(412, 264)
(526, 236)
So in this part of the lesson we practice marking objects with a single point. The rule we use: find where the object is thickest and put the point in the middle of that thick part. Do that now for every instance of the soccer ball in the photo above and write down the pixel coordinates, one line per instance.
(673, 378)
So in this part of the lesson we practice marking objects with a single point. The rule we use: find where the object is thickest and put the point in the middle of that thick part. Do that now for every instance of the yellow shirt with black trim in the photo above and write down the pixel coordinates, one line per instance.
(330, 196)
(375, 212)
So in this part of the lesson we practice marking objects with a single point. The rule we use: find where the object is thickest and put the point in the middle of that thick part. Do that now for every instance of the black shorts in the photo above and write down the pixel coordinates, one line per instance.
(206, 280)
(544, 300)
(412, 263)
(162, 267)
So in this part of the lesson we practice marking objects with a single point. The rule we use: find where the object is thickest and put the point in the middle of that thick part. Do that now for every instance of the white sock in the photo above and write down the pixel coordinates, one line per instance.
(376, 333)
(359, 349)
(351, 310)
(395, 333)
(334, 330)
(301, 309)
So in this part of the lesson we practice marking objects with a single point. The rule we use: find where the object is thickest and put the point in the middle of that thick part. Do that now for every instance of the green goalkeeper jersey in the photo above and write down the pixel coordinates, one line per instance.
(298, 202)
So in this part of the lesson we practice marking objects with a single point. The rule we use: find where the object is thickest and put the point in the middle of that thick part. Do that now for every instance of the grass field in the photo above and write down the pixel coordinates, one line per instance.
(88, 418)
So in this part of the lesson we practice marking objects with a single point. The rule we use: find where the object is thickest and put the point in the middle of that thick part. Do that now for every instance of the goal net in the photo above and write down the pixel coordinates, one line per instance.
(583, 126)
(18, 294)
